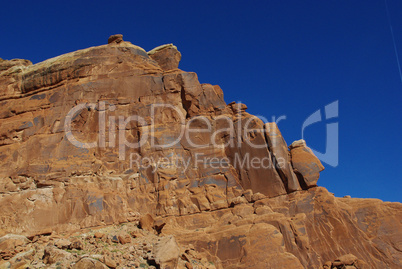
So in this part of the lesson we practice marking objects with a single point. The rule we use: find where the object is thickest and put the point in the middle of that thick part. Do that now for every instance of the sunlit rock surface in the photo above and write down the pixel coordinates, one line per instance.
(103, 135)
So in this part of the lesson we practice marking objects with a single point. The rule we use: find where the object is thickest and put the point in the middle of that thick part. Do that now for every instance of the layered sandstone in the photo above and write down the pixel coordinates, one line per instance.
(87, 174)
(102, 135)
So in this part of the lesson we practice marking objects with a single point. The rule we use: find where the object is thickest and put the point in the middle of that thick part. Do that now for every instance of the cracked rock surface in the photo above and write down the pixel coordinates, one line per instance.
(71, 197)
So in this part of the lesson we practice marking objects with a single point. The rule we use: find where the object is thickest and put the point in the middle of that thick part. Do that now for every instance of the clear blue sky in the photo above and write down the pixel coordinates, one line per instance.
(278, 57)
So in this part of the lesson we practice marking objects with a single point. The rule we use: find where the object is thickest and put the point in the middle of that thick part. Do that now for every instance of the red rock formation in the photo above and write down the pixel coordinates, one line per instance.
(305, 164)
(94, 137)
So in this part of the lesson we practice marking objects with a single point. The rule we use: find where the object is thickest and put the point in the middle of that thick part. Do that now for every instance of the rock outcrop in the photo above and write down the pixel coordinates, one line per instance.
(305, 164)
(73, 156)
(114, 134)
(167, 56)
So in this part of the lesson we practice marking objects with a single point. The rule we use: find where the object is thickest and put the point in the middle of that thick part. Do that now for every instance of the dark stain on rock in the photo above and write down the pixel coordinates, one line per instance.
(38, 97)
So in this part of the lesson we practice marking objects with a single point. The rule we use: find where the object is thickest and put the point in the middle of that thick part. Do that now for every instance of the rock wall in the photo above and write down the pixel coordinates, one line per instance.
(301, 230)
(49, 182)
(96, 136)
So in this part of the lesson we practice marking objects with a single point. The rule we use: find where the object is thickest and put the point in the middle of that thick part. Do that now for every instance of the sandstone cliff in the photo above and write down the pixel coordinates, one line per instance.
(104, 135)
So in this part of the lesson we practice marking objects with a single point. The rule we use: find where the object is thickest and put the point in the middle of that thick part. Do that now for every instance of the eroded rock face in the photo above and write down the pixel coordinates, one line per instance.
(307, 229)
(281, 154)
(113, 134)
(72, 156)
(305, 164)
(167, 56)
(167, 252)
(115, 39)
(9, 243)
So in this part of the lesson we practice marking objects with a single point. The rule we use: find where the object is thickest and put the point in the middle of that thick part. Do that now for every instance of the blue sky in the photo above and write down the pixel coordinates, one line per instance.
(278, 57)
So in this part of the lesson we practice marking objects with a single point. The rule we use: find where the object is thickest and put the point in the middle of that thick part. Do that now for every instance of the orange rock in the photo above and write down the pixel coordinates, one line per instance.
(99, 235)
(50, 182)
(167, 56)
(136, 234)
(86, 263)
(115, 39)
(167, 252)
(124, 238)
(307, 166)
(281, 157)
(52, 255)
(9, 244)
(77, 244)
(62, 243)
(109, 261)
(147, 222)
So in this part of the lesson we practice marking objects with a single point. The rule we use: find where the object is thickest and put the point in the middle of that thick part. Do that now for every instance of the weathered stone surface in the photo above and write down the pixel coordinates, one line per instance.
(281, 155)
(124, 238)
(9, 243)
(115, 39)
(110, 261)
(167, 253)
(246, 246)
(146, 222)
(142, 252)
(88, 263)
(306, 165)
(62, 243)
(285, 227)
(348, 259)
(76, 244)
(5, 64)
(233, 215)
(309, 225)
(22, 259)
(99, 235)
(52, 255)
(167, 56)
(262, 177)
(74, 183)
